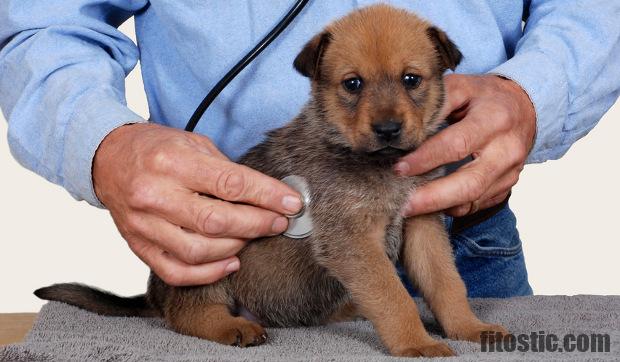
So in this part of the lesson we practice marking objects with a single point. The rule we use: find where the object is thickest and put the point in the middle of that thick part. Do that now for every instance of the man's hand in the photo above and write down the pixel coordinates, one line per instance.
(154, 179)
(494, 122)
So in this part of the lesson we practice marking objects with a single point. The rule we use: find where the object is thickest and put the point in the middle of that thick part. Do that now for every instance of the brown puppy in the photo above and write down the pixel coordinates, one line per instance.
(376, 93)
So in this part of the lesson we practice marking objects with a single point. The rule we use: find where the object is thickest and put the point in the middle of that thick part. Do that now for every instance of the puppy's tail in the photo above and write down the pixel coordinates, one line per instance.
(97, 301)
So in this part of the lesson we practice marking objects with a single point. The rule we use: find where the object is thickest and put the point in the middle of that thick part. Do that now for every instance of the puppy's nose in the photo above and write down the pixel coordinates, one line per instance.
(387, 131)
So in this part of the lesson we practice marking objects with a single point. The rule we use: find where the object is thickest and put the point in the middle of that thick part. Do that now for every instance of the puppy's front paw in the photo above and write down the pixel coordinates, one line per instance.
(435, 349)
(475, 332)
(241, 333)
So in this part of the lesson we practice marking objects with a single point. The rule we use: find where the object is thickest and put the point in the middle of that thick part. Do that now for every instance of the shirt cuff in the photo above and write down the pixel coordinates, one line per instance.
(96, 115)
(545, 83)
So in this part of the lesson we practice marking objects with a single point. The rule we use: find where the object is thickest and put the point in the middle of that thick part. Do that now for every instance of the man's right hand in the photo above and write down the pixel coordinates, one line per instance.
(154, 179)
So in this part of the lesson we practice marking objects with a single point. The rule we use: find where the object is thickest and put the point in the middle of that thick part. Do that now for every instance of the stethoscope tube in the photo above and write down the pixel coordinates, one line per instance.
(247, 59)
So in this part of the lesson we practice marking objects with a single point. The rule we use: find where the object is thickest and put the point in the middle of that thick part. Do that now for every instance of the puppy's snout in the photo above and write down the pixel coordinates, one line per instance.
(387, 131)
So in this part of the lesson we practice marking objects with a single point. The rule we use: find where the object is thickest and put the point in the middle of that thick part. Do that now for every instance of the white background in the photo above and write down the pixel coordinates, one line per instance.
(566, 214)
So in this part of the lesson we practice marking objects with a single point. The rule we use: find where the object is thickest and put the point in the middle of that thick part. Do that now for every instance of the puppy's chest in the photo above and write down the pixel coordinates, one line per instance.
(376, 193)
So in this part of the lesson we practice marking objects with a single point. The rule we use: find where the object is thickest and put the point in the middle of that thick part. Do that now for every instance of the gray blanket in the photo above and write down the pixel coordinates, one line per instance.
(65, 333)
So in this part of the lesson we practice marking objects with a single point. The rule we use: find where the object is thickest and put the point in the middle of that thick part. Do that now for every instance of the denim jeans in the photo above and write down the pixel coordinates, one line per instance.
(489, 258)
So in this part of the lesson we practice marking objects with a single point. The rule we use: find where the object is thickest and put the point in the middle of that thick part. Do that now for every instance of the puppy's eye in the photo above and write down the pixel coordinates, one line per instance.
(353, 85)
(411, 81)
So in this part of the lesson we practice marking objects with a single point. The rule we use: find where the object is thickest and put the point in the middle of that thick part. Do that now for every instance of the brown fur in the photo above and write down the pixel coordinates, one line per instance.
(346, 267)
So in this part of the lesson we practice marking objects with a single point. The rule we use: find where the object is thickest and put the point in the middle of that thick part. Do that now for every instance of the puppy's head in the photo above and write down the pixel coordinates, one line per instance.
(377, 79)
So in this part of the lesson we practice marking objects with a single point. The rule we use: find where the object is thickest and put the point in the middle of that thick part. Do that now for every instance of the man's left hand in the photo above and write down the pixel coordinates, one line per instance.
(494, 121)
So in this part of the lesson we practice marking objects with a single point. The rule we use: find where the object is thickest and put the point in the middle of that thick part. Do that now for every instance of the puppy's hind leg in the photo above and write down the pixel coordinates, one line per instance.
(427, 257)
(204, 313)
(215, 323)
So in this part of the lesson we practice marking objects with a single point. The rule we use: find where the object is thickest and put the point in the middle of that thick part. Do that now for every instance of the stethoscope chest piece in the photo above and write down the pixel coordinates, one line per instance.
(300, 225)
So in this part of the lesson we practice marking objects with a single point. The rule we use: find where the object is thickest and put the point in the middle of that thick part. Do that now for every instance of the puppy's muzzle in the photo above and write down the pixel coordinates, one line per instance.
(387, 132)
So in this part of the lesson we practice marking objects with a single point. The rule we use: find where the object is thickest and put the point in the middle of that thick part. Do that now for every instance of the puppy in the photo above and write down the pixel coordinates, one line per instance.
(376, 94)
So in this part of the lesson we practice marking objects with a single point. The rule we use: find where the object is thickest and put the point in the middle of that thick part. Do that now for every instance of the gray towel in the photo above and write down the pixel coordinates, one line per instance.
(65, 333)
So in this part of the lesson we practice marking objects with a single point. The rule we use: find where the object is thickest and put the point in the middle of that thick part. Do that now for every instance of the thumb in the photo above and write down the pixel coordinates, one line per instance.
(458, 92)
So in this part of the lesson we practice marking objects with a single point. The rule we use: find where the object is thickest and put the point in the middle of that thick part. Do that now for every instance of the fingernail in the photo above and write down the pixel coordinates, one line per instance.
(402, 168)
(279, 225)
(292, 204)
(233, 266)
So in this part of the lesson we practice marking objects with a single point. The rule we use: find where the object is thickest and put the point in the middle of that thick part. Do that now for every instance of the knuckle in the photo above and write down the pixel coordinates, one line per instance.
(261, 192)
(230, 185)
(503, 120)
(456, 93)
(499, 198)
(261, 226)
(195, 253)
(161, 160)
(516, 153)
(514, 178)
(125, 231)
(210, 221)
(459, 81)
(143, 250)
(460, 211)
(521, 153)
(454, 96)
(142, 194)
(461, 145)
(133, 225)
(172, 277)
(134, 245)
(475, 186)
(516, 158)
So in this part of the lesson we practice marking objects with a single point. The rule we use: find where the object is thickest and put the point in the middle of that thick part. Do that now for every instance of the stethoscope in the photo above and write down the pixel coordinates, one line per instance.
(247, 59)
(300, 225)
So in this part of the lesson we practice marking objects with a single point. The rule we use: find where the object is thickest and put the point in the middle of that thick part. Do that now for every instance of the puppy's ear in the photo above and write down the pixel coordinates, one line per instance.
(308, 62)
(449, 54)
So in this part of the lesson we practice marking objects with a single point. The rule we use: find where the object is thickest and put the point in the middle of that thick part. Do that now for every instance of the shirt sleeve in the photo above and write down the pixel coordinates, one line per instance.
(63, 65)
(568, 62)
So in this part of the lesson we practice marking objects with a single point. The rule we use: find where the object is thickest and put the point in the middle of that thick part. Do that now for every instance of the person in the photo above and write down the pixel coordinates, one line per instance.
(521, 95)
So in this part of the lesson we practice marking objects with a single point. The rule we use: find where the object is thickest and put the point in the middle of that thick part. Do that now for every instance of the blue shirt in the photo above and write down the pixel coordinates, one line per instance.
(63, 65)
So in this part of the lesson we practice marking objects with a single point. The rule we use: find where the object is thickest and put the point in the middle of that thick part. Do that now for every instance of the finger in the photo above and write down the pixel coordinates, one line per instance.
(188, 247)
(497, 199)
(467, 209)
(501, 186)
(461, 210)
(461, 187)
(491, 197)
(177, 273)
(221, 219)
(452, 144)
(465, 185)
(458, 92)
(238, 183)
